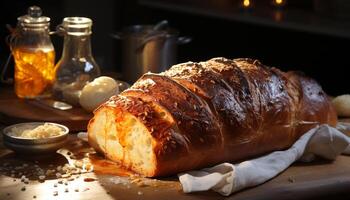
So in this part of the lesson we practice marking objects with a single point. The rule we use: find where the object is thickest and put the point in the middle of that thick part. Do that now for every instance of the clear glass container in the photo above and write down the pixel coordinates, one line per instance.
(77, 67)
(34, 55)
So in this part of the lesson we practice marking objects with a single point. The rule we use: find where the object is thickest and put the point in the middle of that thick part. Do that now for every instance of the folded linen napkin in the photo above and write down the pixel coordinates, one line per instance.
(226, 178)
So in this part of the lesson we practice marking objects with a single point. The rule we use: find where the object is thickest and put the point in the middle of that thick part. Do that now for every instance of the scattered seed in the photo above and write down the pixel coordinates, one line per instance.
(58, 175)
(291, 180)
(139, 193)
(34, 197)
(76, 190)
(89, 179)
(86, 189)
(78, 164)
(55, 184)
(23, 188)
(60, 181)
(25, 165)
(77, 171)
(65, 168)
(8, 194)
(66, 175)
(49, 172)
(42, 178)
(66, 190)
(55, 193)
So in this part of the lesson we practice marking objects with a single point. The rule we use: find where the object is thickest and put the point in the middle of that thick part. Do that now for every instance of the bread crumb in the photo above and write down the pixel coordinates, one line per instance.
(42, 178)
(58, 175)
(291, 180)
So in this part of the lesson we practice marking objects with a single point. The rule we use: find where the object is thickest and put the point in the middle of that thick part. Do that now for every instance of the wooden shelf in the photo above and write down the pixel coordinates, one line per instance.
(290, 18)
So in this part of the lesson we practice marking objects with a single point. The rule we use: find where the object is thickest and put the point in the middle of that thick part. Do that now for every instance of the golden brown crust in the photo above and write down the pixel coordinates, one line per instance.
(223, 110)
(194, 121)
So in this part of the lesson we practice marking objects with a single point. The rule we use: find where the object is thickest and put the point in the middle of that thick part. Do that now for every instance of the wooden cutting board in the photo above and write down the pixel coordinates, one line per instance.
(14, 110)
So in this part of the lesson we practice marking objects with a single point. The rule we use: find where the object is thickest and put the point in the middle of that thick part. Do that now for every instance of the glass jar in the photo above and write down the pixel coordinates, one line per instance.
(77, 66)
(34, 55)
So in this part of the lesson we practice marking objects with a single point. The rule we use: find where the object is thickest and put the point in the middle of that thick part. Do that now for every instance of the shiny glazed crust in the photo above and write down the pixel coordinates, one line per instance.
(198, 114)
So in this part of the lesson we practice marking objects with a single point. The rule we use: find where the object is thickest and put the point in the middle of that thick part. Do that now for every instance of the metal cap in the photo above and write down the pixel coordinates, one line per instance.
(77, 25)
(33, 19)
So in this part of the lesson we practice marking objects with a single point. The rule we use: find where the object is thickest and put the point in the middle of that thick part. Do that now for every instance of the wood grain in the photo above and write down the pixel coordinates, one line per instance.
(14, 110)
(317, 180)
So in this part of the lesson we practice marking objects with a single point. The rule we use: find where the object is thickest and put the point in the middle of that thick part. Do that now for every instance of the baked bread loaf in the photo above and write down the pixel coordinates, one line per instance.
(199, 114)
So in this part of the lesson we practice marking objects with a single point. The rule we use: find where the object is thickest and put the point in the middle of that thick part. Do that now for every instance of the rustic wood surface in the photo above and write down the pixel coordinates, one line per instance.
(14, 110)
(317, 180)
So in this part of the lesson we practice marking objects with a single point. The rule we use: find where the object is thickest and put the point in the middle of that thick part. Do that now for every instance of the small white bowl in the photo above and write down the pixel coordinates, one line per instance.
(32, 145)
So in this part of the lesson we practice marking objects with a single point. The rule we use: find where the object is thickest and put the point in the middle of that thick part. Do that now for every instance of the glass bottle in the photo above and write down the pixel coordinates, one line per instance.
(77, 66)
(34, 55)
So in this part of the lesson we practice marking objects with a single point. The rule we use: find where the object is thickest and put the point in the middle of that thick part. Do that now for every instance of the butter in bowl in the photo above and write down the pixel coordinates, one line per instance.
(35, 137)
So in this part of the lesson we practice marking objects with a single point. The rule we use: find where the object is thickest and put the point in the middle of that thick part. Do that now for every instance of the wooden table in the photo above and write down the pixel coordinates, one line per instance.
(14, 110)
(318, 180)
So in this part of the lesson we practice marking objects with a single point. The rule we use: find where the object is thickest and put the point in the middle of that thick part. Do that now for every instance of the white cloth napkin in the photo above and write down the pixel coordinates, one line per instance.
(227, 178)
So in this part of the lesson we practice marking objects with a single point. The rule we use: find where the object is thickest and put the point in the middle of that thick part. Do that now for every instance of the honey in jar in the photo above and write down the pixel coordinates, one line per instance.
(34, 55)
(34, 71)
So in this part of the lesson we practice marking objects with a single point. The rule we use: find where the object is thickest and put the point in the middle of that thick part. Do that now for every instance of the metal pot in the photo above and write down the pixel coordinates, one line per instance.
(148, 49)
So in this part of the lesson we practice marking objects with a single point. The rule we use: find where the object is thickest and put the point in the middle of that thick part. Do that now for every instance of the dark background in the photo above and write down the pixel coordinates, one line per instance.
(296, 37)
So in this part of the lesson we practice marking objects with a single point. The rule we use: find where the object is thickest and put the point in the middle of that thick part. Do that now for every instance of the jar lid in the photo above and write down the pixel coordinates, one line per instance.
(77, 25)
(33, 19)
